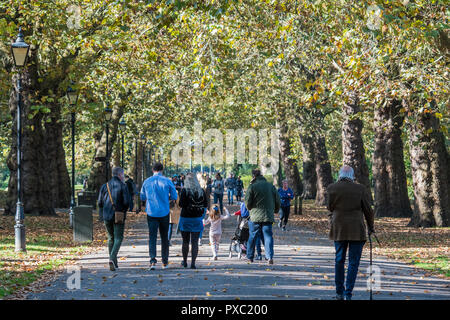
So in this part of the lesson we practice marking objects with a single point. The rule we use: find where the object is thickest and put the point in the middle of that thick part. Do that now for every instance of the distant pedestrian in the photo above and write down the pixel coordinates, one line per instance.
(215, 231)
(349, 206)
(239, 189)
(132, 191)
(262, 200)
(230, 183)
(218, 189)
(157, 191)
(85, 184)
(286, 195)
(174, 218)
(114, 200)
(193, 204)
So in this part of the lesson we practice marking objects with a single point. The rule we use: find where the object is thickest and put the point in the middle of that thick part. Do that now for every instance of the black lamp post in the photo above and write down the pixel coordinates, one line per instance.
(108, 115)
(123, 125)
(72, 96)
(143, 158)
(19, 51)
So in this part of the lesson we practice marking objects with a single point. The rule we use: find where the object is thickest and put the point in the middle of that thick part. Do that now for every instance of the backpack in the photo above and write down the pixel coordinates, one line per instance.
(196, 204)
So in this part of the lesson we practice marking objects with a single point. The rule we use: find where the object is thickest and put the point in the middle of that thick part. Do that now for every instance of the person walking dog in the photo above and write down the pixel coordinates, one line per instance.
(114, 199)
(348, 203)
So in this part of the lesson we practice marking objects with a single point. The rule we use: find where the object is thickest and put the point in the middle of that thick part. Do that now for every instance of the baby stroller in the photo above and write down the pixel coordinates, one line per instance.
(239, 240)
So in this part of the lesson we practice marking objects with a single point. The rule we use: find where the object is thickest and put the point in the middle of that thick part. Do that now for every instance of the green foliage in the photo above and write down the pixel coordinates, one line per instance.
(230, 64)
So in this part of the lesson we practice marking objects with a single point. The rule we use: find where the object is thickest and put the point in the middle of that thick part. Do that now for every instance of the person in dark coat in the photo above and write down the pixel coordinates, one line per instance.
(230, 183)
(132, 190)
(239, 189)
(262, 201)
(348, 203)
(193, 203)
(218, 189)
(121, 199)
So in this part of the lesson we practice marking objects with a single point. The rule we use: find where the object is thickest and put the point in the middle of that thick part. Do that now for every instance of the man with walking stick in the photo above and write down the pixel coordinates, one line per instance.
(349, 206)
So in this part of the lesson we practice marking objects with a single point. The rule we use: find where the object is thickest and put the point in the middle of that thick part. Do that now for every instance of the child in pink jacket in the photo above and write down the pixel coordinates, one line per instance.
(215, 231)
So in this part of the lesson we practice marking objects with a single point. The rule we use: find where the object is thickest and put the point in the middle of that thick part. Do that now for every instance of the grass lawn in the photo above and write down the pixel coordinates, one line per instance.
(426, 248)
(49, 247)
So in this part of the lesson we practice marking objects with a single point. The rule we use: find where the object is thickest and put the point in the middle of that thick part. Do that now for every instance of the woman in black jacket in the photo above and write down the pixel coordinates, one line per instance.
(193, 203)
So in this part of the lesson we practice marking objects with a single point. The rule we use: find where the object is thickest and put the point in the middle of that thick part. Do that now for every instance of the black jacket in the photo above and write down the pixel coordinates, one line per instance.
(120, 195)
(192, 206)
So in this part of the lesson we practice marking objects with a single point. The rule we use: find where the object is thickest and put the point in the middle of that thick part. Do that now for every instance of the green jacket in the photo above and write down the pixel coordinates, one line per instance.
(262, 200)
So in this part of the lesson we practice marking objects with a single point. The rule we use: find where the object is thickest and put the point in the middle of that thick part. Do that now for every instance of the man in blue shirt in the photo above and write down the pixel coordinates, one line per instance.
(157, 191)
(286, 195)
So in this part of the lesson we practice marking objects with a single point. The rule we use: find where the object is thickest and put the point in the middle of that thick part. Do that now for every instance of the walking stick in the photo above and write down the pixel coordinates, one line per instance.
(371, 271)
(370, 276)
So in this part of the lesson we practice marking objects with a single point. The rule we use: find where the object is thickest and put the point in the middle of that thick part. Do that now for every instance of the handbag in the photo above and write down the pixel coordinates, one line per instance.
(119, 216)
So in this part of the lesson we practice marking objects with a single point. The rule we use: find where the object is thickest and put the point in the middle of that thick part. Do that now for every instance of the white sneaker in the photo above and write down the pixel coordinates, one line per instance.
(164, 266)
(152, 266)
(199, 242)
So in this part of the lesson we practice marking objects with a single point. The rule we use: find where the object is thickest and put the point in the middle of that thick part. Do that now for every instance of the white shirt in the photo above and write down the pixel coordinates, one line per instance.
(216, 225)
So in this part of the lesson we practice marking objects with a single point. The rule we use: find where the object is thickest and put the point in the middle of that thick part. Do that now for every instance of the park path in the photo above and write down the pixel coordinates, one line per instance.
(303, 269)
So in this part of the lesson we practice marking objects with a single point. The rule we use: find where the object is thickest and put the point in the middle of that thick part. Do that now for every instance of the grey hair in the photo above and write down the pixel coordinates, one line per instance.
(347, 172)
(192, 185)
(117, 171)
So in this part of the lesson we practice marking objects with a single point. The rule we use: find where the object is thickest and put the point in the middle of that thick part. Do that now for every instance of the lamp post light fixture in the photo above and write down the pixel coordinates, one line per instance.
(19, 50)
(108, 115)
(123, 125)
(72, 96)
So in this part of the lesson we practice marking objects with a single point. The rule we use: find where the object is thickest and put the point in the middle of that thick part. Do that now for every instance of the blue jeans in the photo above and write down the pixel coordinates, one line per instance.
(354, 256)
(258, 241)
(162, 224)
(230, 193)
(219, 197)
(258, 230)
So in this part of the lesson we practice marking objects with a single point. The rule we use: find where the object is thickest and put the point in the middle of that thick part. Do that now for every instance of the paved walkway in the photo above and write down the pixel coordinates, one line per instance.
(303, 269)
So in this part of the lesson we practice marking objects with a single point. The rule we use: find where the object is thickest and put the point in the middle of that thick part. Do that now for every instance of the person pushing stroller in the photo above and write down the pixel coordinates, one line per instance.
(239, 240)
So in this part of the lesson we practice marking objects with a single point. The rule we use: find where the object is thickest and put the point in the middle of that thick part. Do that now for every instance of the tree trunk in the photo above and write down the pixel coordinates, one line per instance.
(309, 168)
(148, 160)
(290, 166)
(136, 171)
(58, 176)
(97, 176)
(323, 170)
(390, 188)
(116, 154)
(35, 186)
(352, 142)
(430, 166)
